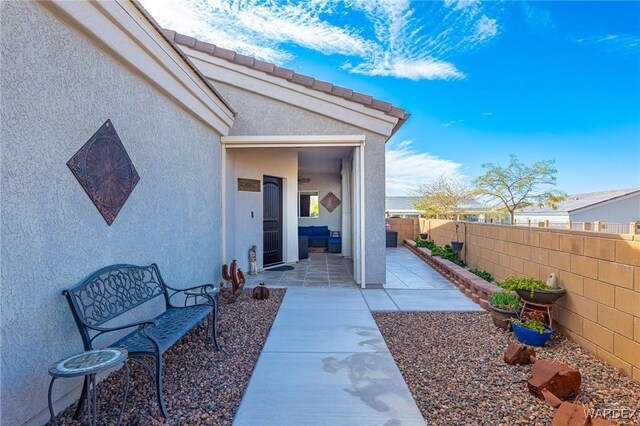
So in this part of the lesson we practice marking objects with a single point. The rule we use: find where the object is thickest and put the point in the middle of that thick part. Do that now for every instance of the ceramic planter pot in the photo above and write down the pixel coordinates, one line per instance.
(501, 317)
(424, 236)
(456, 246)
(542, 297)
(530, 337)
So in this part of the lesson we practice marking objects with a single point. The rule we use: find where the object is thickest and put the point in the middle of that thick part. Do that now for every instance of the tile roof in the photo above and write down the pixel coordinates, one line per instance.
(579, 201)
(287, 74)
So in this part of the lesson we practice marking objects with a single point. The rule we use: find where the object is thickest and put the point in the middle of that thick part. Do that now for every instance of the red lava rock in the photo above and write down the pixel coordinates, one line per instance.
(519, 354)
(559, 379)
(575, 415)
(453, 364)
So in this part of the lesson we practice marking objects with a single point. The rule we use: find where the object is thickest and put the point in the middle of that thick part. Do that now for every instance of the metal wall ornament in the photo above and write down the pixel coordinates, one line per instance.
(105, 171)
(330, 202)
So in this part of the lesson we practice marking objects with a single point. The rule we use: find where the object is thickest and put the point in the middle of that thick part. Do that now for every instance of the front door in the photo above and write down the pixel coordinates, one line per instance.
(271, 220)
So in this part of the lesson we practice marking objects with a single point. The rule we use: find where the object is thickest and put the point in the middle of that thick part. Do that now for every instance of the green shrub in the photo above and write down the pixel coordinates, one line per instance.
(523, 283)
(535, 322)
(447, 253)
(482, 274)
(425, 244)
(505, 300)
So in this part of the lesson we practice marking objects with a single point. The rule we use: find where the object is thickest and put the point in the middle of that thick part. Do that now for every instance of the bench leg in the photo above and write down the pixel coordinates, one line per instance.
(163, 409)
(213, 318)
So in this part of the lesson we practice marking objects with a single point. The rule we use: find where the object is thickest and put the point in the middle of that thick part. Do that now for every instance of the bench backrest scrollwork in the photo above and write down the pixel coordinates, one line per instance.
(112, 291)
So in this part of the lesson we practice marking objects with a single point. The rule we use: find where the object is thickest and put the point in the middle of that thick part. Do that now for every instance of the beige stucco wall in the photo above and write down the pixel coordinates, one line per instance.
(262, 116)
(601, 272)
(245, 230)
(57, 89)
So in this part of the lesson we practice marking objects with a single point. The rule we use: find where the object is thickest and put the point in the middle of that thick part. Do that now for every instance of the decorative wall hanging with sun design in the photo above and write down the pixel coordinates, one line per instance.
(105, 171)
(330, 202)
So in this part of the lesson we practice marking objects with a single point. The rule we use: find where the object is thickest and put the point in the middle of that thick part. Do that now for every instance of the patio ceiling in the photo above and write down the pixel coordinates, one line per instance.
(322, 160)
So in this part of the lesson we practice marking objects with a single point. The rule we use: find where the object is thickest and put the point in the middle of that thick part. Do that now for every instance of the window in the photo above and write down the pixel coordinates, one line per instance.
(308, 205)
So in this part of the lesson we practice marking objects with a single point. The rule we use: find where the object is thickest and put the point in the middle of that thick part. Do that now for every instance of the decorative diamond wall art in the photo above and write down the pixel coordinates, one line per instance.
(105, 171)
(330, 202)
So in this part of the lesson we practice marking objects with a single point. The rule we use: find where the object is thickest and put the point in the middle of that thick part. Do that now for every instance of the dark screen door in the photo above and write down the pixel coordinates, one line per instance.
(272, 220)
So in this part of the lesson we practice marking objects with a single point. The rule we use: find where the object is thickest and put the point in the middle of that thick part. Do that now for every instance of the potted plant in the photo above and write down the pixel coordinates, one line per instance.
(504, 307)
(532, 290)
(532, 330)
(424, 236)
(457, 244)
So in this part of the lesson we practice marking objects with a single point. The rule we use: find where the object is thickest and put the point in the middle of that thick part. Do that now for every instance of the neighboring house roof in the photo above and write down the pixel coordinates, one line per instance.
(400, 203)
(576, 202)
(180, 53)
(289, 75)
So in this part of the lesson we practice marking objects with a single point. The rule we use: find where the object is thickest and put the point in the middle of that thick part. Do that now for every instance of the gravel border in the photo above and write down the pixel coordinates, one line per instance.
(452, 363)
(201, 386)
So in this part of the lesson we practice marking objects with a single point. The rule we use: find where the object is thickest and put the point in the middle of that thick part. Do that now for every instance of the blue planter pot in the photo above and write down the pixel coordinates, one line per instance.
(530, 337)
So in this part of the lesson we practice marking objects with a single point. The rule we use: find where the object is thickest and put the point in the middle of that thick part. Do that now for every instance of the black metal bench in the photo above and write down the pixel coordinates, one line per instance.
(116, 289)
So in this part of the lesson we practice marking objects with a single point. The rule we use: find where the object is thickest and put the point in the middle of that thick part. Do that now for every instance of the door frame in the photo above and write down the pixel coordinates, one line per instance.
(309, 141)
(281, 220)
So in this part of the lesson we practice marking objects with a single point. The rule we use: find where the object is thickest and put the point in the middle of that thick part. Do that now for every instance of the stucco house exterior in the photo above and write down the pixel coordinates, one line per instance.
(215, 136)
(619, 206)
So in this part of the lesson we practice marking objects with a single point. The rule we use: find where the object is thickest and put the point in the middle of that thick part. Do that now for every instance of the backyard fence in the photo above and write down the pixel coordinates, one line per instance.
(599, 268)
(631, 228)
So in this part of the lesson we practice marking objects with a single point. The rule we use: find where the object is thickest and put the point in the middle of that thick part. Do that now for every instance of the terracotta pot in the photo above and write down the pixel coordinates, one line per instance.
(542, 297)
(501, 317)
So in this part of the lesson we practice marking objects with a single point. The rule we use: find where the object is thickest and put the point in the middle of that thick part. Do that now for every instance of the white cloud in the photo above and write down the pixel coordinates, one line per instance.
(256, 28)
(461, 4)
(486, 28)
(392, 37)
(425, 69)
(487, 113)
(622, 44)
(407, 167)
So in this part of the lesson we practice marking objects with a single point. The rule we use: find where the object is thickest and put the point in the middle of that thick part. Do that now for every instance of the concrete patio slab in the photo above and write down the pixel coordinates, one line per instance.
(327, 389)
(379, 300)
(320, 330)
(432, 301)
(323, 298)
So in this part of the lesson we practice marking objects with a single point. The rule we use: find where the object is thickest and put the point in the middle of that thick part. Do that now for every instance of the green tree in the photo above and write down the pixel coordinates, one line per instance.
(517, 185)
(441, 198)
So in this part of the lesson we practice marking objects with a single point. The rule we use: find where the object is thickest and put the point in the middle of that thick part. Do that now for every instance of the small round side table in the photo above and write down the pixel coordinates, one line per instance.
(213, 292)
(88, 364)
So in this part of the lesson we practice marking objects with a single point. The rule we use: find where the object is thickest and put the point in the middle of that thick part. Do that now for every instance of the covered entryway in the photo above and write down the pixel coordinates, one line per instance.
(306, 182)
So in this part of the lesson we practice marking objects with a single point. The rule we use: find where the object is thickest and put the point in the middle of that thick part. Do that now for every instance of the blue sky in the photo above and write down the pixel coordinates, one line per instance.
(482, 80)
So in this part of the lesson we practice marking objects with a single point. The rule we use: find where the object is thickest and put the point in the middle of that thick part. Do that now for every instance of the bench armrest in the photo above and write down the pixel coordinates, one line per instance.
(203, 290)
(178, 290)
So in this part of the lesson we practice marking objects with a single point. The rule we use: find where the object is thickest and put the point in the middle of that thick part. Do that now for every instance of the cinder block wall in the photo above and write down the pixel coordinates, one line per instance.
(601, 272)
(407, 228)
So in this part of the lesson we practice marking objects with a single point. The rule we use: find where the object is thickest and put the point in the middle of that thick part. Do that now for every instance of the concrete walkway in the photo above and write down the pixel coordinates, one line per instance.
(412, 285)
(326, 363)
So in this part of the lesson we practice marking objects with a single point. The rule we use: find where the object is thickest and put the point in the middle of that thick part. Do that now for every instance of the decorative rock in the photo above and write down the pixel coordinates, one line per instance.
(559, 379)
(520, 354)
(575, 415)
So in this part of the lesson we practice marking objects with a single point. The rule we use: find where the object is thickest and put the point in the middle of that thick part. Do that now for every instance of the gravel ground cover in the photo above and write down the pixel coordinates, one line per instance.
(452, 362)
(201, 386)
